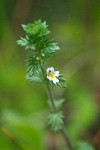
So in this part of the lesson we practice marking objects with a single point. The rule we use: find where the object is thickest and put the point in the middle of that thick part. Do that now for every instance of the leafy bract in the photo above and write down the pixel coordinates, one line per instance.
(56, 120)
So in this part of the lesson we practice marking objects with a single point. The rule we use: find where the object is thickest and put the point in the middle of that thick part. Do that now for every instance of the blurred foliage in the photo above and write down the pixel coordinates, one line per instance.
(82, 146)
(23, 106)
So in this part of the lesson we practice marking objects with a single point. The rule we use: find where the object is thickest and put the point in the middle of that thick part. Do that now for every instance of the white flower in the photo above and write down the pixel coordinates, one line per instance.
(51, 75)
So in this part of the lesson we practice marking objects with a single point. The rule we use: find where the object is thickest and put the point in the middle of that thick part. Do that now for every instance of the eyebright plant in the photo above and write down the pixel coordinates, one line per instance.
(42, 47)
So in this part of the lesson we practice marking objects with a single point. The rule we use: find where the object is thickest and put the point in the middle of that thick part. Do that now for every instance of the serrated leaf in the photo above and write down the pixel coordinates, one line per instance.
(36, 39)
(36, 77)
(61, 84)
(62, 81)
(56, 120)
(33, 78)
(50, 49)
(22, 42)
(38, 28)
(27, 43)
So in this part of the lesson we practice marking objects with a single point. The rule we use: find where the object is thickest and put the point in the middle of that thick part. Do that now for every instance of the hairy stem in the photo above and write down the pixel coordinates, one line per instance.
(54, 109)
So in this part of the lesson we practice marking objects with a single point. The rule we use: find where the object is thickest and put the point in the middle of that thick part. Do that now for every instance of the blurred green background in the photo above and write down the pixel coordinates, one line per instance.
(75, 25)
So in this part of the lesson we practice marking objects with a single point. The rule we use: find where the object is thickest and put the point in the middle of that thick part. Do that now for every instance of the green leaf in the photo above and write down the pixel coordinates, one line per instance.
(31, 65)
(36, 77)
(22, 42)
(27, 43)
(58, 103)
(50, 49)
(36, 29)
(83, 146)
(61, 83)
(56, 120)
(36, 39)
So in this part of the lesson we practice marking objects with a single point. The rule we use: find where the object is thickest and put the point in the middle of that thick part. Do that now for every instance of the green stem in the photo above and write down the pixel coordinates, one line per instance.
(51, 98)
(54, 109)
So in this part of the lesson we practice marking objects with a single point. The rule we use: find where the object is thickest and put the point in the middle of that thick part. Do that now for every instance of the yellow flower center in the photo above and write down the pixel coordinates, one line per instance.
(52, 76)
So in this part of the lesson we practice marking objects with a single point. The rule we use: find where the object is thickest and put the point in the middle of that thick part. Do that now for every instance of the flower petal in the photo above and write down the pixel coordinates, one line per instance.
(52, 69)
(49, 78)
(56, 73)
(55, 80)
(48, 70)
